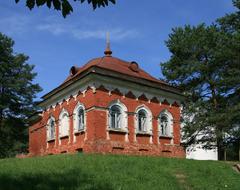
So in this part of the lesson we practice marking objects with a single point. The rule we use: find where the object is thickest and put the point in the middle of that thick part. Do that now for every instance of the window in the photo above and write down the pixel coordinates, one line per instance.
(142, 117)
(51, 129)
(64, 124)
(115, 117)
(143, 120)
(79, 118)
(165, 124)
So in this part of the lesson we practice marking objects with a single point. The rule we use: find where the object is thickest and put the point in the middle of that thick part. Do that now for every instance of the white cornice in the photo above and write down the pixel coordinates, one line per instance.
(95, 81)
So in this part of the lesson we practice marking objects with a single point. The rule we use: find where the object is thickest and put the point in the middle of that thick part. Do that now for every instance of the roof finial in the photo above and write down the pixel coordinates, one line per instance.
(108, 51)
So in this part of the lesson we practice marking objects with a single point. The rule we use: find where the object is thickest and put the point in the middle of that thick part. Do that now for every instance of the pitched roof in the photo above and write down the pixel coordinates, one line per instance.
(111, 64)
(117, 65)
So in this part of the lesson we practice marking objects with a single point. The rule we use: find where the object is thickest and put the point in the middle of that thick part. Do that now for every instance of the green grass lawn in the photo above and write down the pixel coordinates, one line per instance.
(108, 172)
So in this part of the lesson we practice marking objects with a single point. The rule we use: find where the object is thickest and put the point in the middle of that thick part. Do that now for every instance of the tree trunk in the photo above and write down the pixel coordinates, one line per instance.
(225, 154)
(220, 148)
(1, 119)
(239, 151)
(219, 132)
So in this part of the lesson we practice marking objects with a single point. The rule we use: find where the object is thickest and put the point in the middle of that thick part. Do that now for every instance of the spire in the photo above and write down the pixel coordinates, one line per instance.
(108, 51)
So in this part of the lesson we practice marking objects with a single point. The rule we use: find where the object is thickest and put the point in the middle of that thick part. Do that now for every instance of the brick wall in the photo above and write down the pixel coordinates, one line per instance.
(96, 138)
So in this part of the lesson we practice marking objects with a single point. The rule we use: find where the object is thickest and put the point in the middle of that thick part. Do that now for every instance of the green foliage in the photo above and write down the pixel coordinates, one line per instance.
(16, 98)
(64, 5)
(110, 172)
(205, 63)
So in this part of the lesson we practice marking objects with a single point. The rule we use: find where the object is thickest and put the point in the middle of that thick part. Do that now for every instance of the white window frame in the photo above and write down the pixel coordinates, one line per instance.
(49, 135)
(117, 118)
(76, 128)
(64, 130)
(142, 121)
(123, 120)
(169, 127)
(147, 129)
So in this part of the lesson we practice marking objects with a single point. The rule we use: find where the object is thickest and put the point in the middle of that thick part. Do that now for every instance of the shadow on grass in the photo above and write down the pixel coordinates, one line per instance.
(70, 180)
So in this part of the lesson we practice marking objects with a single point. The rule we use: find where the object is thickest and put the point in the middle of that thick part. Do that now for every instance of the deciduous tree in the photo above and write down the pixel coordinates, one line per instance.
(64, 5)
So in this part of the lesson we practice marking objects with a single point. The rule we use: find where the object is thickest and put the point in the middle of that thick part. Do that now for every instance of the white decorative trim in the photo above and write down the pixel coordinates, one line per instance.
(75, 97)
(170, 101)
(170, 123)
(48, 131)
(75, 120)
(124, 118)
(84, 92)
(151, 139)
(148, 96)
(111, 85)
(136, 93)
(149, 117)
(93, 89)
(123, 90)
(123, 121)
(61, 132)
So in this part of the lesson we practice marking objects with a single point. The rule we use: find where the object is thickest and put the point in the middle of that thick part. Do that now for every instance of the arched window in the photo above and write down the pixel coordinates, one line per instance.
(79, 118)
(165, 124)
(64, 124)
(117, 116)
(143, 120)
(51, 129)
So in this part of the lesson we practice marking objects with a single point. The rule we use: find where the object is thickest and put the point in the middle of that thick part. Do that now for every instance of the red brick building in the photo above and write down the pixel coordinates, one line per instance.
(109, 106)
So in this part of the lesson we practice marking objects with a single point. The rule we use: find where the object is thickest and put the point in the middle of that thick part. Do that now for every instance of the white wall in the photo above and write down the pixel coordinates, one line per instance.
(197, 153)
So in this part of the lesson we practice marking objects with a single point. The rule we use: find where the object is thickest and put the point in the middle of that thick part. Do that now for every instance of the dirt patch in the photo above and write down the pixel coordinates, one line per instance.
(181, 178)
(236, 167)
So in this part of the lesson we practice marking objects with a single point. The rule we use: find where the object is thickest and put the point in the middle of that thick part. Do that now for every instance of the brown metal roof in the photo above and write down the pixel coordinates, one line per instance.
(115, 65)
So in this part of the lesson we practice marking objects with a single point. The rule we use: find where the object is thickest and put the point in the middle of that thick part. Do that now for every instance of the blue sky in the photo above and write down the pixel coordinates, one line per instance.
(138, 29)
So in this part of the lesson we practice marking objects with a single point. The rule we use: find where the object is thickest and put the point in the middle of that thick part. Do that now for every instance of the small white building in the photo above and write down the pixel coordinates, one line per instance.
(196, 152)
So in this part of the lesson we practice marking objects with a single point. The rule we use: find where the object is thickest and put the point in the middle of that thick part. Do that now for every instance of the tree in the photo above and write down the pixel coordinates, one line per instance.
(230, 24)
(64, 5)
(205, 64)
(17, 93)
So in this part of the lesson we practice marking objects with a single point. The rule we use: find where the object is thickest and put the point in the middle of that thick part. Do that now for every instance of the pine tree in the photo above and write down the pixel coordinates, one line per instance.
(17, 93)
(205, 63)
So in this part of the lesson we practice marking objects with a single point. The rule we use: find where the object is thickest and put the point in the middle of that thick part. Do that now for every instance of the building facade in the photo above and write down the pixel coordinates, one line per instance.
(109, 106)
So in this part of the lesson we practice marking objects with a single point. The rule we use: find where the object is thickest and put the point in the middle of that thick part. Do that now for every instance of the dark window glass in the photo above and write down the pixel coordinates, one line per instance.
(80, 119)
(164, 125)
(115, 117)
(52, 129)
(142, 117)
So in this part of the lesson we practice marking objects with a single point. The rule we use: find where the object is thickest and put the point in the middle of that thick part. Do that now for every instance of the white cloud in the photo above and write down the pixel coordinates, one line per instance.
(23, 25)
(116, 34)
(14, 24)
(55, 29)
(82, 33)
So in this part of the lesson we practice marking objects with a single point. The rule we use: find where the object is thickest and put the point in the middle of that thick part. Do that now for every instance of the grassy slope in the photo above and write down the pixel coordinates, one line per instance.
(115, 172)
